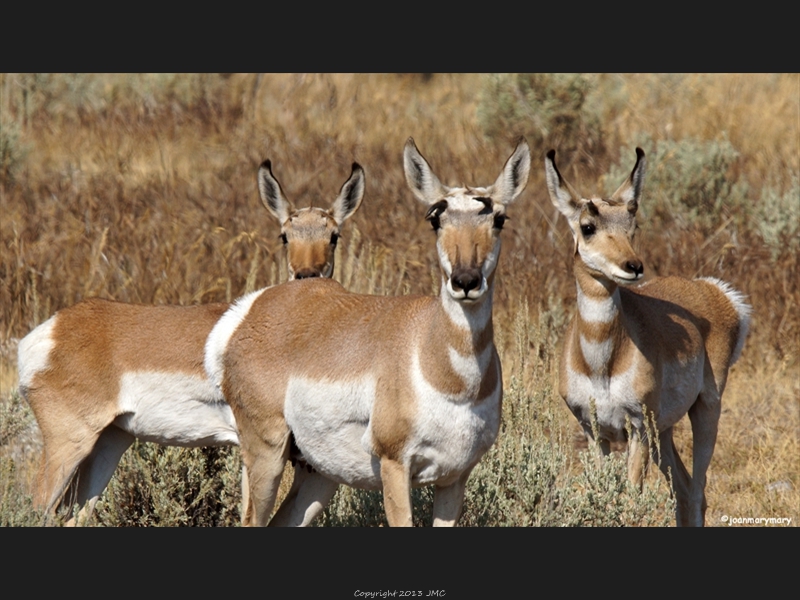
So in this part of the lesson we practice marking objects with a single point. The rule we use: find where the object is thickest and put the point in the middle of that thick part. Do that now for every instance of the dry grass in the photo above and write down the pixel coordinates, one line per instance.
(142, 189)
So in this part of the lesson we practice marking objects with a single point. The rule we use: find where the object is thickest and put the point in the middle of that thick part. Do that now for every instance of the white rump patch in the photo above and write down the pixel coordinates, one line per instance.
(743, 309)
(220, 335)
(175, 409)
(34, 352)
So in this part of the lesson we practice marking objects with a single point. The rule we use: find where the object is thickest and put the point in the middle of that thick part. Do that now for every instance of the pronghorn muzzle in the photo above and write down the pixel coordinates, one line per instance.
(466, 279)
(307, 273)
(634, 266)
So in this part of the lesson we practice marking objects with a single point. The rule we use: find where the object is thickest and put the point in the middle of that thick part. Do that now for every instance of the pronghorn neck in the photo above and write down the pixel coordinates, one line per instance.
(598, 321)
(472, 318)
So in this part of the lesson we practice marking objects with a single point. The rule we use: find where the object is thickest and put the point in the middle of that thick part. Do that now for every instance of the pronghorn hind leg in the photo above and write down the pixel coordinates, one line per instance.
(704, 416)
(308, 496)
(396, 493)
(96, 470)
(56, 488)
(672, 466)
(448, 502)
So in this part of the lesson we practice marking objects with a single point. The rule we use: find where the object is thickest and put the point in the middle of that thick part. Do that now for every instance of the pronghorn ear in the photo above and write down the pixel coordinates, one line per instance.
(272, 194)
(630, 192)
(515, 173)
(350, 196)
(562, 194)
(419, 176)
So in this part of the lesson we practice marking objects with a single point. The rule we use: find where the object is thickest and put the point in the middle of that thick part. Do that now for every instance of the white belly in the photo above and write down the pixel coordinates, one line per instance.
(330, 423)
(175, 410)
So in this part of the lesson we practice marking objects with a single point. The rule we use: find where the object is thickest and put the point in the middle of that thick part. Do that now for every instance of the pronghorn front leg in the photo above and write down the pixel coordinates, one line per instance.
(601, 446)
(638, 457)
(264, 468)
(448, 501)
(396, 492)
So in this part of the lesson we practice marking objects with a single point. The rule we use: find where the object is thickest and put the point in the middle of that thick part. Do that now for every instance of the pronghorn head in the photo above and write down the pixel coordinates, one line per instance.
(310, 234)
(602, 228)
(467, 221)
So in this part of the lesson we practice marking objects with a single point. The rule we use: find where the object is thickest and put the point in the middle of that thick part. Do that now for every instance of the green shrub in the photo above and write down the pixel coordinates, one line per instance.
(169, 487)
(549, 109)
(778, 218)
(688, 182)
(12, 151)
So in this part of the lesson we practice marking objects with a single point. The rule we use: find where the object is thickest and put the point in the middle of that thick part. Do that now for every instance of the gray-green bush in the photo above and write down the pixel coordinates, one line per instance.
(550, 109)
(689, 182)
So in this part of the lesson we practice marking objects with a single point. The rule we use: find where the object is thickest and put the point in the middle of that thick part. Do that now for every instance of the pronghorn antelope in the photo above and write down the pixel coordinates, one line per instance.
(657, 351)
(379, 392)
(100, 374)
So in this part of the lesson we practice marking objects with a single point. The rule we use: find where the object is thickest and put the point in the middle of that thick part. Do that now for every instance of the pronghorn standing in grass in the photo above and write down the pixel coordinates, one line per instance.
(100, 374)
(662, 349)
(379, 392)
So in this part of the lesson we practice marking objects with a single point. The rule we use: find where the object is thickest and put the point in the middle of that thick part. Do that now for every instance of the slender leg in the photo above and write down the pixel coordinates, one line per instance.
(638, 458)
(672, 466)
(396, 493)
(264, 463)
(309, 495)
(602, 447)
(245, 497)
(448, 502)
(705, 421)
(97, 469)
(60, 462)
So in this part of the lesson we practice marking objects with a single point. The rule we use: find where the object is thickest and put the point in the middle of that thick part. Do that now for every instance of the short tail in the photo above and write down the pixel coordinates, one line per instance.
(743, 309)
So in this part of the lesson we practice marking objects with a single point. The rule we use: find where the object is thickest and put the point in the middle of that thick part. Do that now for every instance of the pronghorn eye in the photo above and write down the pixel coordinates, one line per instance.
(588, 229)
(284, 239)
(499, 221)
(434, 212)
(334, 238)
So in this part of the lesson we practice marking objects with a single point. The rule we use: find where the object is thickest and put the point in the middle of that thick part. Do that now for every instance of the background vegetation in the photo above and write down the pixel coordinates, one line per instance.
(141, 188)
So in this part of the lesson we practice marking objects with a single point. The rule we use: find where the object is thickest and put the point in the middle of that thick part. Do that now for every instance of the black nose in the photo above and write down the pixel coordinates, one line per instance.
(307, 274)
(466, 279)
(635, 266)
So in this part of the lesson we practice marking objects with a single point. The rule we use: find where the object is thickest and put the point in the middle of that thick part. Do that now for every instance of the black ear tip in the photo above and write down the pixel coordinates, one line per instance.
(357, 167)
(267, 164)
(639, 152)
(551, 154)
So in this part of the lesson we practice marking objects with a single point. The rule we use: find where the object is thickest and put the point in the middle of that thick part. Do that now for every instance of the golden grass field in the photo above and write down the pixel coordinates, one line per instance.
(142, 188)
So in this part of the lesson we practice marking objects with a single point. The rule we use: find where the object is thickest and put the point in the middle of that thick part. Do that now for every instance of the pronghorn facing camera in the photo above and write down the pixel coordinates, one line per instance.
(662, 349)
(379, 392)
(101, 373)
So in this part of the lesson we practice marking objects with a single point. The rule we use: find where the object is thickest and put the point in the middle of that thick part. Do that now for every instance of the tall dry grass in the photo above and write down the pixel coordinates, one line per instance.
(141, 188)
